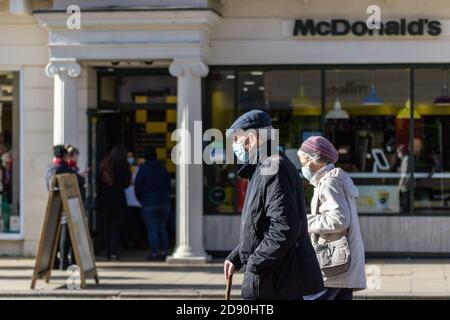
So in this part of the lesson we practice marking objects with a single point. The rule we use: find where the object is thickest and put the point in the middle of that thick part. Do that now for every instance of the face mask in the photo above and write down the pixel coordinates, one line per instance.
(306, 173)
(131, 161)
(239, 151)
(72, 163)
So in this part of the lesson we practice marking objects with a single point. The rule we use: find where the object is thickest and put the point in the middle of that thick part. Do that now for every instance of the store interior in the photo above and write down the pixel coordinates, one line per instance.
(390, 125)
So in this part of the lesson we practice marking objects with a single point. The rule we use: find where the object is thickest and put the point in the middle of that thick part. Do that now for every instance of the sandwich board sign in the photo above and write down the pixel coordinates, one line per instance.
(65, 199)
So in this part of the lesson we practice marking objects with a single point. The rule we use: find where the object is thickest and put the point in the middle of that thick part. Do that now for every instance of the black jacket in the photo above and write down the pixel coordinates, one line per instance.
(61, 169)
(274, 246)
(152, 184)
(113, 197)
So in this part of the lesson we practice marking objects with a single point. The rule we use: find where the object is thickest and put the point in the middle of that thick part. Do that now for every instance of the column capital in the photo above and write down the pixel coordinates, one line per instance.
(69, 66)
(195, 67)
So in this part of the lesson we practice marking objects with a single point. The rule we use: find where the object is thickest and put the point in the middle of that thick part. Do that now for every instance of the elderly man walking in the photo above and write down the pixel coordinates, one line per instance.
(274, 248)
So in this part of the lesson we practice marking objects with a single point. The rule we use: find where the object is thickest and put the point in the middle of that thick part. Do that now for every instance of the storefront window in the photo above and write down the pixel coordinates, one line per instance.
(367, 119)
(290, 97)
(431, 144)
(220, 195)
(9, 166)
(395, 149)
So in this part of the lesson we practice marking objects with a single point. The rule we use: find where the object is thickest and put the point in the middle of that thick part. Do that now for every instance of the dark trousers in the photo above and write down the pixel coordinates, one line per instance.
(65, 248)
(156, 218)
(134, 232)
(332, 294)
(113, 218)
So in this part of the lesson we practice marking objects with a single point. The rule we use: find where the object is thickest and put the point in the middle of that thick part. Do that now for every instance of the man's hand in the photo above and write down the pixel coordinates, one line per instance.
(228, 268)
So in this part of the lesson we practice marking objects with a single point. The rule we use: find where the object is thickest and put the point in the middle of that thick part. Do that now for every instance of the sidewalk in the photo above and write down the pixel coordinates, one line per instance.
(399, 279)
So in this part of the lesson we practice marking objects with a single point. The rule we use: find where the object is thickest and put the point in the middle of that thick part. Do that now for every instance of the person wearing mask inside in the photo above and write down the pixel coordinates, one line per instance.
(134, 230)
(152, 188)
(274, 248)
(333, 223)
(114, 177)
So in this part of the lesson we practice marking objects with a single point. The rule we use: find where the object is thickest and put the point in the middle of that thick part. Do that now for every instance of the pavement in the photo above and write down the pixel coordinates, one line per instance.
(131, 279)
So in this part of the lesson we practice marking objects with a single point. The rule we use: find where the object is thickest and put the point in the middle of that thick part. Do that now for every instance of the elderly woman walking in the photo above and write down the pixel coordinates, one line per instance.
(333, 223)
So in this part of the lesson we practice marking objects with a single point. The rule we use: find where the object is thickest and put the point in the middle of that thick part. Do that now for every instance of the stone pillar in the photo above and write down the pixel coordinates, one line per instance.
(65, 103)
(189, 208)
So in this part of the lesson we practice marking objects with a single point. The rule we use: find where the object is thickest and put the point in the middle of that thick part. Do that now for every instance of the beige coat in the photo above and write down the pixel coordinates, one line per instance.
(332, 216)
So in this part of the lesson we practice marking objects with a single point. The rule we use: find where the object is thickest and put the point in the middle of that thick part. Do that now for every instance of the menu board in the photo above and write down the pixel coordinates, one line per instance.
(65, 197)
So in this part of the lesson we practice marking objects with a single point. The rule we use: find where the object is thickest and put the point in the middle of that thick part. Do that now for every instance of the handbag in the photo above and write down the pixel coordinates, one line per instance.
(334, 257)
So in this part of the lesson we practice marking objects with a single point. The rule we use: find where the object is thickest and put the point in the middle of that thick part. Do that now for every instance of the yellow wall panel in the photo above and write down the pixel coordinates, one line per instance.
(161, 153)
(140, 99)
(171, 116)
(156, 127)
(141, 116)
(170, 166)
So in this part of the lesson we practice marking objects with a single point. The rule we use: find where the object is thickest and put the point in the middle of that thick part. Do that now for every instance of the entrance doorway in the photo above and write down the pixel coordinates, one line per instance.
(137, 109)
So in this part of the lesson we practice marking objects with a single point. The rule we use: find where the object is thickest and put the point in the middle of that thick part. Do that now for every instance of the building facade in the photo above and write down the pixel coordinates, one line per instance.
(136, 70)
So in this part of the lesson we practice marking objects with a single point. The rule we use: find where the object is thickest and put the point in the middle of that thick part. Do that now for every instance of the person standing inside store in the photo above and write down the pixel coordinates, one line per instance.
(152, 188)
(274, 247)
(404, 183)
(423, 163)
(134, 230)
(333, 223)
(114, 177)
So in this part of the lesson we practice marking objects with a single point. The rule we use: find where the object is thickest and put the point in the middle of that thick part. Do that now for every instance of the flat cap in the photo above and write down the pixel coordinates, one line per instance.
(254, 119)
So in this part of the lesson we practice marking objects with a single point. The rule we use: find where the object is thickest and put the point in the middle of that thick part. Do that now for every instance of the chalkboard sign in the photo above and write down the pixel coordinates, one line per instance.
(65, 198)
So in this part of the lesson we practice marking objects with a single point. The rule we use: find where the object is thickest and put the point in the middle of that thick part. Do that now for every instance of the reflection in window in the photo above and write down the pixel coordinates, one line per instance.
(9, 165)
(432, 143)
(290, 97)
(220, 178)
(367, 116)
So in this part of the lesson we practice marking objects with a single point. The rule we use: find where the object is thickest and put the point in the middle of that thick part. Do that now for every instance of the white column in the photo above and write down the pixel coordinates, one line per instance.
(65, 104)
(189, 177)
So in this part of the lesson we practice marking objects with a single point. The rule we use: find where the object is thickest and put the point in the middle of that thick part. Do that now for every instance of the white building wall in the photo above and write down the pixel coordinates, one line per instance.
(251, 33)
(23, 47)
(87, 98)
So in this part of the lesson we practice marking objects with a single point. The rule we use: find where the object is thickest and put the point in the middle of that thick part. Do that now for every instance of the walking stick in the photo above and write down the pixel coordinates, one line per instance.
(228, 289)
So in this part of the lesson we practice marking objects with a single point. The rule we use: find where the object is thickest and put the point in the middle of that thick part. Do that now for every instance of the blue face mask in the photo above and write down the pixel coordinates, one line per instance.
(239, 151)
(306, 173)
